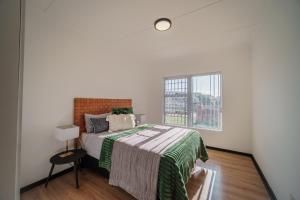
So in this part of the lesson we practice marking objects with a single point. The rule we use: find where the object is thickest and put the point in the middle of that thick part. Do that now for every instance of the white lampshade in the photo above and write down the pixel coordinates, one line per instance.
(64, 133)
(140, 119)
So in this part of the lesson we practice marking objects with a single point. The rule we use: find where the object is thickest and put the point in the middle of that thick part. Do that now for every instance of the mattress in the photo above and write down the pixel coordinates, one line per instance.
(92, 143)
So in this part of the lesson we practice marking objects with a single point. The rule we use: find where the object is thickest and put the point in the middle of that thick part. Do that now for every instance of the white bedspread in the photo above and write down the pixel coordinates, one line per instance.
(92, 143)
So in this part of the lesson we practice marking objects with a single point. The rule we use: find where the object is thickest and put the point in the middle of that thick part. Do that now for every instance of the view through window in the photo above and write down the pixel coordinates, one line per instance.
(194, 101)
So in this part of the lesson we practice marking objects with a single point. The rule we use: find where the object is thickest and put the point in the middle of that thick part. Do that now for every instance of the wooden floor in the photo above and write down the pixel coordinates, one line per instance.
(236, 179)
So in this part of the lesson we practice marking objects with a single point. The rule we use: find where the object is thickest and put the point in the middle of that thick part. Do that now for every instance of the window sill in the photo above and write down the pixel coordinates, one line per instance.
(209, 130)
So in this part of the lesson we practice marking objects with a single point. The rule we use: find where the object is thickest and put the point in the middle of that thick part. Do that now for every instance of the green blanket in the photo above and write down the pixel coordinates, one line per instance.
(175, 165)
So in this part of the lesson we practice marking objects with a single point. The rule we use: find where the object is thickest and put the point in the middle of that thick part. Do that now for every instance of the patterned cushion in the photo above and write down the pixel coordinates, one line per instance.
(120, 122)
(99, 124)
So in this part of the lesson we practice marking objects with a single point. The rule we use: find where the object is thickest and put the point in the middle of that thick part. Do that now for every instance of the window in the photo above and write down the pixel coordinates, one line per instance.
(194, 101)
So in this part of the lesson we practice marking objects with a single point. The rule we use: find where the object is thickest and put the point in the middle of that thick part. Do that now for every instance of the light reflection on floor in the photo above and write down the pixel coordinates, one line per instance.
(201, 183)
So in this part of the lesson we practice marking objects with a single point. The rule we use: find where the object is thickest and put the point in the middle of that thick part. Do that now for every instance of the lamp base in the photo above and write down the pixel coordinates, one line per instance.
(66, 154)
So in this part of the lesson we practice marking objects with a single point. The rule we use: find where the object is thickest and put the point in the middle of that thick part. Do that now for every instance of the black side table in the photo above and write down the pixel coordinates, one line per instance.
(76, 157)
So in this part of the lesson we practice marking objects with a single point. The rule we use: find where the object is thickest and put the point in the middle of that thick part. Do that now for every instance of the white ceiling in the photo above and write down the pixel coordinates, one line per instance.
(127, 26)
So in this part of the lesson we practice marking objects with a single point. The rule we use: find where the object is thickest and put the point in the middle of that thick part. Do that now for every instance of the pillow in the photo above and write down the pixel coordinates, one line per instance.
(88, 124)
(120, 122)
(99, 124)
(118, 111)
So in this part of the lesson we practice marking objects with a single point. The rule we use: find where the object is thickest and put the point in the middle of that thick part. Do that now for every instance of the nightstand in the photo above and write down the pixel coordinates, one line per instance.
(75, 157)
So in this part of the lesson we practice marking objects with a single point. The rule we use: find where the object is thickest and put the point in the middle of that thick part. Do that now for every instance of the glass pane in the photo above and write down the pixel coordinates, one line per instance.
(206, 101)
(176, 102)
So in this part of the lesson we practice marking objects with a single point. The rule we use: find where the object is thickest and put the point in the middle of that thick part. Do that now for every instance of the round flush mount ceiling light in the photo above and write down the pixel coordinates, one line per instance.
(162, 24)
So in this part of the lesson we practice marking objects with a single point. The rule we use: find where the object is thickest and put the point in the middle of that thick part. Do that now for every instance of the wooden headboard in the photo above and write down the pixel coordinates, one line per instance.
(95, 106)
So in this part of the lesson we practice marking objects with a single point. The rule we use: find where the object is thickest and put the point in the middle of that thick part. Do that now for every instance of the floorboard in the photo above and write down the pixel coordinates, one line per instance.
(236, 179)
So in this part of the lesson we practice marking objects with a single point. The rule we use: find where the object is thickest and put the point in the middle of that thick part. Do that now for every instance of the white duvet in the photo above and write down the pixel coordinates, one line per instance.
(92, 143)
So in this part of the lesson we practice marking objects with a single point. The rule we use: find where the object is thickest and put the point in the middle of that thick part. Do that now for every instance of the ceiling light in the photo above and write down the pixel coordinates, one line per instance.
(162, 24)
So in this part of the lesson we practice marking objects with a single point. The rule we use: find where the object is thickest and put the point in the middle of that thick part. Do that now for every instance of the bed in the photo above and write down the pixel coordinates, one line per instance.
(149, 161)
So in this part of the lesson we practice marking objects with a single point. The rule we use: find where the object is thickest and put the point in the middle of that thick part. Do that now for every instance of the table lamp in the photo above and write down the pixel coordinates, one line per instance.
(140, 119)
(66, 133)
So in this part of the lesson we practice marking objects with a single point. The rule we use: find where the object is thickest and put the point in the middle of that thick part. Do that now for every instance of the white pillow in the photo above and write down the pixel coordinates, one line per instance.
(120, 122)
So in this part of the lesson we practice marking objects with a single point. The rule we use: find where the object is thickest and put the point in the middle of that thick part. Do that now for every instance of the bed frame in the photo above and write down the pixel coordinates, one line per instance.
(94, 106)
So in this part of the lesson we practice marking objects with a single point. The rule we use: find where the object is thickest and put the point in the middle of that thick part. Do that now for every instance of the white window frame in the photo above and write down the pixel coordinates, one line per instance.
(189, 99)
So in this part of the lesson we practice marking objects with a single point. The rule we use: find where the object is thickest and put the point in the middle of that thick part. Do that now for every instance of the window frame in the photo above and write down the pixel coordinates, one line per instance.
(189, 99)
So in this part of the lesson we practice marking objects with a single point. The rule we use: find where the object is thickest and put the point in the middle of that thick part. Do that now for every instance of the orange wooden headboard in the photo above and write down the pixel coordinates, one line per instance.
(95, 106)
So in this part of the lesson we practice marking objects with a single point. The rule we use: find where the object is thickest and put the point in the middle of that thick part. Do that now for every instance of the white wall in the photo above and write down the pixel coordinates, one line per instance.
(9, 106)
(72, 50)
(68, 54)
(276, 96)
(235, 65)
(58, 66)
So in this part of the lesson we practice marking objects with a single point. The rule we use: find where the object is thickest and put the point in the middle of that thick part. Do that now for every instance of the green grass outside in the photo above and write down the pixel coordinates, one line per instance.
(181, 120)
